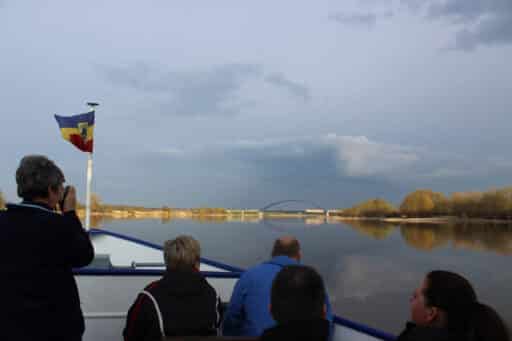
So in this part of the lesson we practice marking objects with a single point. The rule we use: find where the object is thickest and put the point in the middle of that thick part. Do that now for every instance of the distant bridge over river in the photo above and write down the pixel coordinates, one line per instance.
(273, 209)
(312, 208)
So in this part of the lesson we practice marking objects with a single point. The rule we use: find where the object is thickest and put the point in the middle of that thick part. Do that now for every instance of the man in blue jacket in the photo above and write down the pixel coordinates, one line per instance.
(248, 312)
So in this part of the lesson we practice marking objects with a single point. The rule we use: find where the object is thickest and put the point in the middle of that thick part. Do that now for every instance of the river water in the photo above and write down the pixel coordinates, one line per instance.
(370, 269)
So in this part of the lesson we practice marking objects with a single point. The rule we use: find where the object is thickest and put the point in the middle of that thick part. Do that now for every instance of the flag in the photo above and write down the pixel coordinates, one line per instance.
(78, 129)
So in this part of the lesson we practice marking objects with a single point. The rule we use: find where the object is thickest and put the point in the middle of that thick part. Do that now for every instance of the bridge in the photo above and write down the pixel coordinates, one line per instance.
(313, 208)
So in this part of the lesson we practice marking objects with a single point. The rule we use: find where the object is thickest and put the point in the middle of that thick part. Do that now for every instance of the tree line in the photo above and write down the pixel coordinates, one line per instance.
(97, 205)
(494, 204)
(2, 201)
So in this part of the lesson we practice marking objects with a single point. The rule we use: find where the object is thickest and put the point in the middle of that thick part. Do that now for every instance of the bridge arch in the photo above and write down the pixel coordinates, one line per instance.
(277, 203)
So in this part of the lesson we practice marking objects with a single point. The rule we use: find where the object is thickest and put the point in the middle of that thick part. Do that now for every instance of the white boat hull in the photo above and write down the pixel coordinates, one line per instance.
(107, 293)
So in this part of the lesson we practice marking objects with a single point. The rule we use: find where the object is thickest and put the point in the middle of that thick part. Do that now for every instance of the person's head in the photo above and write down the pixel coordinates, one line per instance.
(39, 179)
(287, 246)
(182, 253)
(298, 293)
(446, 299)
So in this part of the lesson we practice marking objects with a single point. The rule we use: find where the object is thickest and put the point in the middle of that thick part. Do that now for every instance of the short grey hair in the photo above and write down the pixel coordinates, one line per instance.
(35, 174)
(182, 253)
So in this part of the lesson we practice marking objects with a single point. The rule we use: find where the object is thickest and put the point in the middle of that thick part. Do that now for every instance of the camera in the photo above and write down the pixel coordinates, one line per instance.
(61, 202)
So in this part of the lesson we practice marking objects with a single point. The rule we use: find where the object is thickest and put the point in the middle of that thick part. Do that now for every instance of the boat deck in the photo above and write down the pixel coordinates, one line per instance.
(124, 266)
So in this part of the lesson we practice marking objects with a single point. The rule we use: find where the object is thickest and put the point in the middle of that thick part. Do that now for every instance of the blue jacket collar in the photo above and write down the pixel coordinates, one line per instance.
(282, 261)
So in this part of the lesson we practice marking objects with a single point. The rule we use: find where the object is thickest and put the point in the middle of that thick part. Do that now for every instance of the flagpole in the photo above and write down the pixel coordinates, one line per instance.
(92, 106)
(88, 193)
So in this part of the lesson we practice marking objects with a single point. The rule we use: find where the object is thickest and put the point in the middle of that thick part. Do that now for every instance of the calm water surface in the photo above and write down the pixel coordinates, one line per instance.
(370, 269)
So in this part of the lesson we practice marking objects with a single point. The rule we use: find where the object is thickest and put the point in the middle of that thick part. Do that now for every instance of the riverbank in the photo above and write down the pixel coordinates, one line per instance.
(428, 220)
(255, 215)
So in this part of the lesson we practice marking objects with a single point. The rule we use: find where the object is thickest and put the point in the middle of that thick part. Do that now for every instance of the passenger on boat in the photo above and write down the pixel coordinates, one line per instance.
(297, 303)
(38, 249)
(181, 303)
(445, 307)
(247, 313)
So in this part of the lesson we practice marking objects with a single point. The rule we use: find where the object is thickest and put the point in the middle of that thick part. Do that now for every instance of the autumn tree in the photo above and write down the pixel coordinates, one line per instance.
(2, 200)
(371, 208)
(466, 204)
(441, 203)
(418, 203)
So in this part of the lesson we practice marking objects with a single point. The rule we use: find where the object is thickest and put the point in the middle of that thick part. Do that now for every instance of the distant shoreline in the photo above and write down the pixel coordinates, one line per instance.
(258, 215)
(429, 220)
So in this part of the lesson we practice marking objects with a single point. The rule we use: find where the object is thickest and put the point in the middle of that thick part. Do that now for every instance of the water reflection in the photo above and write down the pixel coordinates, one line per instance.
(427, 237)
(374, 229)
(370, 268)
(421, 236)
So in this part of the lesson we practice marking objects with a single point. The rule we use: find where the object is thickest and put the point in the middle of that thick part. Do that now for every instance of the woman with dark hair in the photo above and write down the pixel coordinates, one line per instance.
(445, 307)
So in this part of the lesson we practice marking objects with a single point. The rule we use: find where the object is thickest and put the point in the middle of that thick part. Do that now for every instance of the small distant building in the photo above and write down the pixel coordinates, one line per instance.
(314, 211)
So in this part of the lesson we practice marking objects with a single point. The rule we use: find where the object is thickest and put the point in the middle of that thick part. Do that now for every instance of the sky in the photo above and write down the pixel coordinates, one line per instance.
(244, 103)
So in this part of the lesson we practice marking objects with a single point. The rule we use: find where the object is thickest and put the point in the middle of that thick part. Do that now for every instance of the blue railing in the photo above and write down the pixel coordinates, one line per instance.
(231, 272)
(134, 272)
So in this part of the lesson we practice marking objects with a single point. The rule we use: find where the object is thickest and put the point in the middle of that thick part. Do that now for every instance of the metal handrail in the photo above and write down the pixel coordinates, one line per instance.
(104, 315)
(232, 272)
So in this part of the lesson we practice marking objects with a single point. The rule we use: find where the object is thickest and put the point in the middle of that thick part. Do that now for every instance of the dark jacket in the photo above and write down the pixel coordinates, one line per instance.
(188, 303)
(414, 332)
(305, 330)
(38, 249)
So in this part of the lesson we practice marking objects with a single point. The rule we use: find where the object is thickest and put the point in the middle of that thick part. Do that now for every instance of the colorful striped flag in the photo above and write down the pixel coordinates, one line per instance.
(78, 129)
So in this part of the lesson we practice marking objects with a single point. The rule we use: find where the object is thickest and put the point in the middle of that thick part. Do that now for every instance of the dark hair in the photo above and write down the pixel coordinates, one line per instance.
(290, 248)
(35, 174)
(465, 316)
(298, 293)
(488, 325)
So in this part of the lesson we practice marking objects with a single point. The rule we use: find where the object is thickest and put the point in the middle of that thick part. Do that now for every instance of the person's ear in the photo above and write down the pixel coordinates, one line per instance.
(432, 315)
(52, 190)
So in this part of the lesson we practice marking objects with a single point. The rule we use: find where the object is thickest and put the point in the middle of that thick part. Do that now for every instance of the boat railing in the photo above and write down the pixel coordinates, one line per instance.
(136, 265)
(211, 338)
(130, 271)
(229, 272)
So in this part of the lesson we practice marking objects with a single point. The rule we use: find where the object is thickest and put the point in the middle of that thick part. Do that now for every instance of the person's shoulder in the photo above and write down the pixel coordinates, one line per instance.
(3, 217)
(210, 289)
(254, 271)
(414, 332)
(152, 286)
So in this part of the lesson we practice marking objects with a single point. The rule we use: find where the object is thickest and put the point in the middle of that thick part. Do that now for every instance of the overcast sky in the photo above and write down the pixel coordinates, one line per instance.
(242, 103)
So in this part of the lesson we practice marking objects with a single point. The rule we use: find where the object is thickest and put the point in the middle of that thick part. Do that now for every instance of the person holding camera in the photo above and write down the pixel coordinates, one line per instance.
(39, 246)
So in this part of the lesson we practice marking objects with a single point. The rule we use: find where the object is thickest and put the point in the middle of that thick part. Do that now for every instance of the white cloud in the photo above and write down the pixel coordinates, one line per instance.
(359, 156)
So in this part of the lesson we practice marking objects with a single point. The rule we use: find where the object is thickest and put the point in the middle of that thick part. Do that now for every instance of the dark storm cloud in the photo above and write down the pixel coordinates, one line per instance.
(489, 31)
(294, 88)
(210, 92)
(479, 22)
